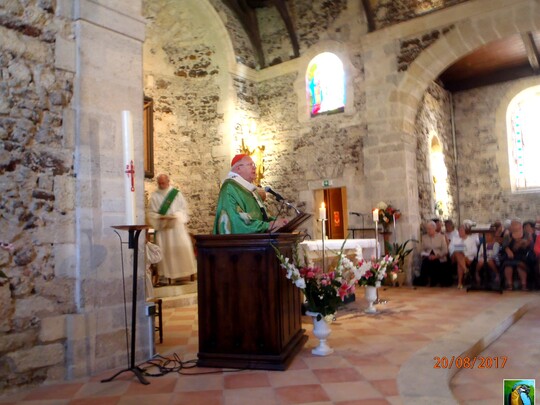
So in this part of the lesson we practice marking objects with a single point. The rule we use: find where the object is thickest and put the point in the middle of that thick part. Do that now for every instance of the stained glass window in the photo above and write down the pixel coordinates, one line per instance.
(523, 120)
(325, 84)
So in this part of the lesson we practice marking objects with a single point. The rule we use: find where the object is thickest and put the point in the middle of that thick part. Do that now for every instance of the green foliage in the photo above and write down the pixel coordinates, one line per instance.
(400, 251)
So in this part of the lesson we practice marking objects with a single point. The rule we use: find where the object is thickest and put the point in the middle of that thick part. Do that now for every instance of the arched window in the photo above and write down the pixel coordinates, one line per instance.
(523, 129)
(325, 84)
(439, 177)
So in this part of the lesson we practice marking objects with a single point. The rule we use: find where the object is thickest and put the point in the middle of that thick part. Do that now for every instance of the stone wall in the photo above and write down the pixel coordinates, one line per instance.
(184, 76)
(243, 50)
(410, 48)
(389, 12)
(313, 20)
(484, 192)
(434, 119)
(36, 198)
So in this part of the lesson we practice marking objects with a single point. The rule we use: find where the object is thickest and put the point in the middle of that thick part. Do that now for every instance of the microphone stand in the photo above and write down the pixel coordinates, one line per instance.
(288, 204)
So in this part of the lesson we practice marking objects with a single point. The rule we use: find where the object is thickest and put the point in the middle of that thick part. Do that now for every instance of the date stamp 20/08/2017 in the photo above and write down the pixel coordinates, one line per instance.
(479, 362)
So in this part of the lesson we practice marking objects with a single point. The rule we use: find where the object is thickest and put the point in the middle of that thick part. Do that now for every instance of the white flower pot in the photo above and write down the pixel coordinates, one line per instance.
(371, 297)
(321, 331)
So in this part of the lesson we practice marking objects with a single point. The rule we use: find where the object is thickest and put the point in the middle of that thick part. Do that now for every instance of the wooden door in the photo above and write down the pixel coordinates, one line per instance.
(335, 200)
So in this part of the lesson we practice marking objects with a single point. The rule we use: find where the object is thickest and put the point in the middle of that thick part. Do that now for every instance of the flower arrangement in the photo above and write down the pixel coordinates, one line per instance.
(387, 214)
(324, 289)
(399, 251)
(373, 271)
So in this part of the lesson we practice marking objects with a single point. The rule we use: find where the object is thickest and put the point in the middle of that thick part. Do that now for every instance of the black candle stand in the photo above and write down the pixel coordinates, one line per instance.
(134, 232)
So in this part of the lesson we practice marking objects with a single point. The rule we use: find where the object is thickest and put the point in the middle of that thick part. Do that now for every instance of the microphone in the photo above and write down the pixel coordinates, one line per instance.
(280, 198)
(277, 195)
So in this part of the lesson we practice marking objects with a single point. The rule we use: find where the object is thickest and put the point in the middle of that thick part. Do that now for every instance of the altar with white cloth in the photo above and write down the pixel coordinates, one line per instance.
(313, 249)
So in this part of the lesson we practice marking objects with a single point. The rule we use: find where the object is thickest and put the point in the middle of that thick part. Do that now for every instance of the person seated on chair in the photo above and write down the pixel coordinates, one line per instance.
(451, 231)
(463, 251)
(517, 253)
(492, 255)
(433, 255)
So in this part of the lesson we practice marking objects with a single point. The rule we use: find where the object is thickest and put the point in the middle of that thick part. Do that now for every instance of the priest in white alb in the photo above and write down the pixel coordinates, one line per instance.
(168, 214)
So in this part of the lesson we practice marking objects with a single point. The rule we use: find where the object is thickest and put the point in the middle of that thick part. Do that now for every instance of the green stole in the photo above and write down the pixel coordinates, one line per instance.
(169, 198)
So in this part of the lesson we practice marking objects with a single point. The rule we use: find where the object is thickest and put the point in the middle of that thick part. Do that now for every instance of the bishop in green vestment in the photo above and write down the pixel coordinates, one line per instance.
(240, 208)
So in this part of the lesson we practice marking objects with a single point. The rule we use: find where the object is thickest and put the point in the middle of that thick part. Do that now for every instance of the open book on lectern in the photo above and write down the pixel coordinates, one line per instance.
(294, 223)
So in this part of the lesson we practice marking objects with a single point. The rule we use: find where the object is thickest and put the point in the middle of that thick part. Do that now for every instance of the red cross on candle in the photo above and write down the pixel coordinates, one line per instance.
(130, 171)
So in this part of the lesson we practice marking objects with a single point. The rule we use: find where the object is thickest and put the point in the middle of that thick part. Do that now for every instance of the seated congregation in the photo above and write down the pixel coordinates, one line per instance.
(511, 259)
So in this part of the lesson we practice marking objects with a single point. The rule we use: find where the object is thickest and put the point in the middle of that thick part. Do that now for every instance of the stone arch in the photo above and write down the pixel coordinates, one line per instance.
(464, 38)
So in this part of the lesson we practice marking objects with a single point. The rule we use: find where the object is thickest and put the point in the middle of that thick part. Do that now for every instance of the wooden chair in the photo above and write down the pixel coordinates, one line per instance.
(158, 302)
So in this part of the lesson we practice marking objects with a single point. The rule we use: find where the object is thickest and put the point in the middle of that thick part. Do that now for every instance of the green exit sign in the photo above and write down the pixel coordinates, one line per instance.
(326, 183)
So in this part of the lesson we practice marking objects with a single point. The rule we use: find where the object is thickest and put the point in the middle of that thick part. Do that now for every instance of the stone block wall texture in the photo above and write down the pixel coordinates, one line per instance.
(390, 12)
(187, 91)
(36, 170)
(479, 141)
(410, 48)
(243, 49)
(434, 118)
(313, 20)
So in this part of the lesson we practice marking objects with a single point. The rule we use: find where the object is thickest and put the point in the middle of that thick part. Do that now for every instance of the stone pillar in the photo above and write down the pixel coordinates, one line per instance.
(108, 67)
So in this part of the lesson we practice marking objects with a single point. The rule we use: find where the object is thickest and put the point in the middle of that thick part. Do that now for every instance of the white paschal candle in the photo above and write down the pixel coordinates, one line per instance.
(322, 212)
(129, 167)
(376, 215)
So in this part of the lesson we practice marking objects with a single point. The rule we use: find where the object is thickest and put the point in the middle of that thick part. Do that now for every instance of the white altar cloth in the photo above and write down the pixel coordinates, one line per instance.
(313, 248)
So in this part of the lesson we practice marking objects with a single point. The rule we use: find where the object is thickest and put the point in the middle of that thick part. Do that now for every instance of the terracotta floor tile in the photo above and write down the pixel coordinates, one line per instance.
(371, 401)
(369, 351)
(252, 396)
(198, 397)
(292, 377)
(246, 379)
(376, 372)
(346, 391)
(98, 389)
(386, 387)
(331, 375)
(301, 394)
(93, 401)
(58, 391)
(153, 399)
(158, 385)
(204, 382)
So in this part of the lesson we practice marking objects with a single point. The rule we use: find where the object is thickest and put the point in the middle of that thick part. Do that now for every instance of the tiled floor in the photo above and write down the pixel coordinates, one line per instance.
(369, 350)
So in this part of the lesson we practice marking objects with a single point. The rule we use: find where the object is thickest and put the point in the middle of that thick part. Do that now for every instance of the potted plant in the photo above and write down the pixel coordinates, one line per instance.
(399, 251)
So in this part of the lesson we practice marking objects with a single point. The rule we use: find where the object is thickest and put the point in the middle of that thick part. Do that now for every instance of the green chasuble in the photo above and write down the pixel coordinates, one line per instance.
(238, 211)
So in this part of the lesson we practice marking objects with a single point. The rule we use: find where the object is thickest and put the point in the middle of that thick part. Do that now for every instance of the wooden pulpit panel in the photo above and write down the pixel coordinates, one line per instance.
(249, 313)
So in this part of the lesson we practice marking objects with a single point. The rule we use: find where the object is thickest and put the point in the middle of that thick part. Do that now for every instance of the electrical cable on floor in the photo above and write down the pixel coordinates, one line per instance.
(165, 365)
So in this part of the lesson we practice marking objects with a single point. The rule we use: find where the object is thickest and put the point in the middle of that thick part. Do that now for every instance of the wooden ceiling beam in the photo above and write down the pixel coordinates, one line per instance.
(248, 19)
(369, 15)
(284, 12)
(532, 51)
